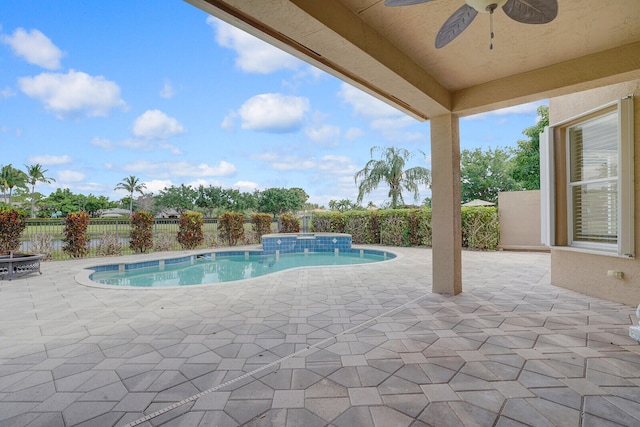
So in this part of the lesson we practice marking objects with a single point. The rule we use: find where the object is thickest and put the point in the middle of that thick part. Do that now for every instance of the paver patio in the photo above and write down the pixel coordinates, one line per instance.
(362, 345)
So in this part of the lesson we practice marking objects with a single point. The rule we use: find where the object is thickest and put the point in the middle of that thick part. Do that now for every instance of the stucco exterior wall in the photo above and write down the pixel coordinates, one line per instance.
(583, 272)
(519, 215)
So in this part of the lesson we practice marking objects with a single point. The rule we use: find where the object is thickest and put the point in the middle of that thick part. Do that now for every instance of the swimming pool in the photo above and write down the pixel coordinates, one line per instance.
(219, 267)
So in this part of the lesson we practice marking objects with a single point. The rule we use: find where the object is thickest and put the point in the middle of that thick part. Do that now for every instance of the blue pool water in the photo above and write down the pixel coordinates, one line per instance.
(224, 267)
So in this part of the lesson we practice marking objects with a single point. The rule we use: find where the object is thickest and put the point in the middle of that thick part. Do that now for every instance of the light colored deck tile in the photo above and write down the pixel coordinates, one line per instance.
(439, 392)
(353, 360)
(288, 399)
(472, 356)
(413, 358)
(364, 396)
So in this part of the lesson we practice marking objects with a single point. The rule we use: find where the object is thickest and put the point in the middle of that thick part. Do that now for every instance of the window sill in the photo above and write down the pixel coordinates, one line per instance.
(591, 251)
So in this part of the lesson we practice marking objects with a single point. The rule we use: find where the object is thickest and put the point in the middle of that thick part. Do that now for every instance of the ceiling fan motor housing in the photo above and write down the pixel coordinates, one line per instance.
(485, 6)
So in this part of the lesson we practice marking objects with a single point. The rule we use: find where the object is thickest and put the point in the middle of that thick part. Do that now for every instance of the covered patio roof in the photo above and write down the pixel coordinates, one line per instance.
(390, 53)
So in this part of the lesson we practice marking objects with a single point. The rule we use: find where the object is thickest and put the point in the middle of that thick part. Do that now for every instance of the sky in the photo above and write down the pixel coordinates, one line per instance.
(101, 90)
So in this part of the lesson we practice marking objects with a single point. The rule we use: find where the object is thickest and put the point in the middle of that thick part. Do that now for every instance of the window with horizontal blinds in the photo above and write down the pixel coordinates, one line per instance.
(593, 179)
(598, 212)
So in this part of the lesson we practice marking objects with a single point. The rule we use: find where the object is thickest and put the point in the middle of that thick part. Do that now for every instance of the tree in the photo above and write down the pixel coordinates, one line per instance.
(390, 169)
(241, 201)
(526, 167)
(181, 198)
(131, 184)
(11, 177)
(280, 200)
(146, 202)
(35, 174)
(344, 205)
(212, 198)
(484, 174)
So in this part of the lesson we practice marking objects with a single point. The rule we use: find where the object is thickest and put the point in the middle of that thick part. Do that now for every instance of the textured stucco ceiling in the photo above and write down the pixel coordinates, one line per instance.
(390, 52)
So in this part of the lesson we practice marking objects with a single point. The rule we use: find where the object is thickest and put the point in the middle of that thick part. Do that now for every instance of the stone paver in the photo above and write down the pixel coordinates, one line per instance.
(341, 346)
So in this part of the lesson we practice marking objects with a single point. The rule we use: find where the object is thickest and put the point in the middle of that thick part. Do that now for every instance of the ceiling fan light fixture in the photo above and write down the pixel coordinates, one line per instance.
(485, 6)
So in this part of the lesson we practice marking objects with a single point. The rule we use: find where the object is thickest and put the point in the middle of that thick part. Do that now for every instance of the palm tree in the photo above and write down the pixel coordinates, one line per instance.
(11, 177)
(131, 184)
(390, 169)
(35, 174)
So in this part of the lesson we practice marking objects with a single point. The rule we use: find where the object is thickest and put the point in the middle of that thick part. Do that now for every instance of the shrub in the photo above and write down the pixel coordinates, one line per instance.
(374, 228)
(163, 241)
(409, 227)
(290, 224)
(414, 220)
(109, 244)
(321, 223)
(480, 228)
(394, 227)
(141, 234)
(12, 224)
(250, 237)
(190, 230)
(424, 227)
(337, 223)
(211, 239)
(261, 223)
(357, 224)
(76, 238)
(231, 227)
(42, 243)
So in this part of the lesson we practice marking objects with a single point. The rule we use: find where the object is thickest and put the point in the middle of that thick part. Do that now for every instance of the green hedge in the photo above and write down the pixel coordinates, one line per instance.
(409, 227)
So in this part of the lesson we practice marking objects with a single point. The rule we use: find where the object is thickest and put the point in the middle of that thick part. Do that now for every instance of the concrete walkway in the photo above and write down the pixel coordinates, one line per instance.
(343, 346)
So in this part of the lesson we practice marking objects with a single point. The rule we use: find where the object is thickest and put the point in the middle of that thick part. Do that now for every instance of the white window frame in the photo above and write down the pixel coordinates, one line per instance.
(625, 183)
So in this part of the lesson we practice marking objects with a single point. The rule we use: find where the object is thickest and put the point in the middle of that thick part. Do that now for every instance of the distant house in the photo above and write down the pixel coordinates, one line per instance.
(114, 213)
(168, 213)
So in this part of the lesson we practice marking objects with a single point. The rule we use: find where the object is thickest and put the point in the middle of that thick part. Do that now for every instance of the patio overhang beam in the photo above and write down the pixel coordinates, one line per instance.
(600, 69)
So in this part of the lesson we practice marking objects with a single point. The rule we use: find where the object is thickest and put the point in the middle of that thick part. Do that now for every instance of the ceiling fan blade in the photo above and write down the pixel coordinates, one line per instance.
(455, 25)
(531, 11)
(403, 2)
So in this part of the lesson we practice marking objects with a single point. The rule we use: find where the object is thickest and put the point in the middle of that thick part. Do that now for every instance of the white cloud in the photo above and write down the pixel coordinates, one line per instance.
(180, 169)
(283, 162)
(48, 160)
(528, 108)
(254, 55)
(74, 93)
(228, 121)
(102, 143)
(148, 145)
(353, 133)
(35, 48)
(167, 91)
(366, 105)
(290, 163)
(337, 164)
(92, 187)
(154, 124)
(155, 185)
(325, 135)
(7, 92)
(246, 186)
(392, 129)
(66, 176)
(383, 118)
(273, 112)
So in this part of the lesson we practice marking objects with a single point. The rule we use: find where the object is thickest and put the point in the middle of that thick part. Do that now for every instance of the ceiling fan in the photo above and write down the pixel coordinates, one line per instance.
(524, 11)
